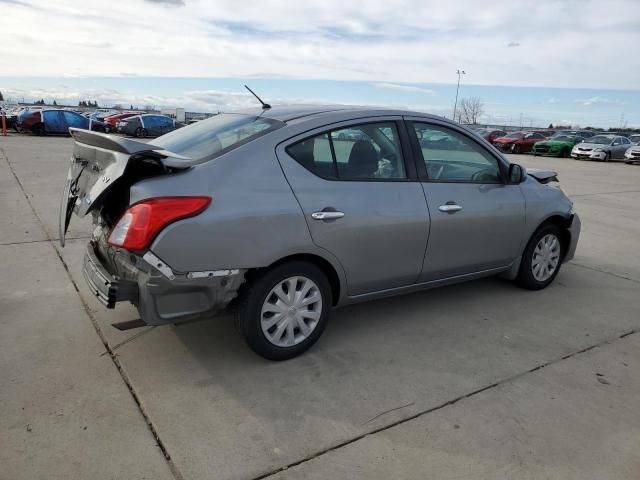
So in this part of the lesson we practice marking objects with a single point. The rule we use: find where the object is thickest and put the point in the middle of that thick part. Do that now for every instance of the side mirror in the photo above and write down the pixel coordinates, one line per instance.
(516, 174)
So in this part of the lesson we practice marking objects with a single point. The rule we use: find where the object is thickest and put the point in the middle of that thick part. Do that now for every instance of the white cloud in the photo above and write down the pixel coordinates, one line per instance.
(404, 88)
(405, 41)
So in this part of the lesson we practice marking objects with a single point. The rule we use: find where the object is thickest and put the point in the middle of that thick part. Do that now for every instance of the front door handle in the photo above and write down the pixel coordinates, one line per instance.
(327, 215)
(450, 207)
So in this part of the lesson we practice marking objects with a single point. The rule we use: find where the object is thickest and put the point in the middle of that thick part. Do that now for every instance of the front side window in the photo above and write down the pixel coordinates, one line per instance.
(369, 151)
(450, 156)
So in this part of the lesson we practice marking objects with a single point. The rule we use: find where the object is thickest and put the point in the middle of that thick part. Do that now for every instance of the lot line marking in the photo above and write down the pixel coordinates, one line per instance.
(602, 193)
(449, 403)
(604, 271)
(83, 237)
(114, 358)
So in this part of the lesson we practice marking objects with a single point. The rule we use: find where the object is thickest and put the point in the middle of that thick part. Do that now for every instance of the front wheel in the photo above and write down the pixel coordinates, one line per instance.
(541, 259)
(283, 312)
(516, 148)
(607, 157)
(140, 132)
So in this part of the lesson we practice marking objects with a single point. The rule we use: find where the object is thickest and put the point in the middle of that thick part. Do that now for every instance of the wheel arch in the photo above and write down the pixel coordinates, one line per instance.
(322, 263)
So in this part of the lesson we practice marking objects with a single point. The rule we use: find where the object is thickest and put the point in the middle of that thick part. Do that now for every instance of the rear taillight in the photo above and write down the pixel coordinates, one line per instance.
(142, 221)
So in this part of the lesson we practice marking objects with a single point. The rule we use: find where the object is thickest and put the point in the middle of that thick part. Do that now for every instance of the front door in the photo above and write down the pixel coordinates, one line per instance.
(477, 220)
(359, 203)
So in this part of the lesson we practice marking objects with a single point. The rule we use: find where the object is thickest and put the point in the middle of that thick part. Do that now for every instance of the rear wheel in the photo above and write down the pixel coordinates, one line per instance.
(565, 152)
(541, 259)
(284, 311)
(38, 129)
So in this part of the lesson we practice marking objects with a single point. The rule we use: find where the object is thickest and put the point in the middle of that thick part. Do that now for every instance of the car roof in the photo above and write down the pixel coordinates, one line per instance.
(291, 113)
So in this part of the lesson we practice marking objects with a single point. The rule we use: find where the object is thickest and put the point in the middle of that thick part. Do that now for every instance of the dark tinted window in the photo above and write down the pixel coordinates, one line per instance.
(361, 152)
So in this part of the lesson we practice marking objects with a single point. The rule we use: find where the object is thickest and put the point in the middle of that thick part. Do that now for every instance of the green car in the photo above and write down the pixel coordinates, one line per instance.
(558, 146)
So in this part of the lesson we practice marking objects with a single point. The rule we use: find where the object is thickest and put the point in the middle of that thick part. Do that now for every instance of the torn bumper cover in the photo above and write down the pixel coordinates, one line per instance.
(161, 295)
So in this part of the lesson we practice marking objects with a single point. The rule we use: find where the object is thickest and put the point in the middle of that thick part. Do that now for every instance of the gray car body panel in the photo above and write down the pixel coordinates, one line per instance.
(390, 241)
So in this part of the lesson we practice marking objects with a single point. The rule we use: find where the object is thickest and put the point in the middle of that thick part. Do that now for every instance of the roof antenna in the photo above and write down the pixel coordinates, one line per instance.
(265, 106)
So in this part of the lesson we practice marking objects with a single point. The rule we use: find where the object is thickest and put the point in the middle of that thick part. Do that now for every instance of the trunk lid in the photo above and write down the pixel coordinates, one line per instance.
(99, 162)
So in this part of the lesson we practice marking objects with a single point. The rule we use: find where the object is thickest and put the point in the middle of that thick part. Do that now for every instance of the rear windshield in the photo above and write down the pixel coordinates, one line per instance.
(216, 135)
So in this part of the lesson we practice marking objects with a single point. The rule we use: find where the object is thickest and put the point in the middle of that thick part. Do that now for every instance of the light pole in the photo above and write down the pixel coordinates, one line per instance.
(455, 105)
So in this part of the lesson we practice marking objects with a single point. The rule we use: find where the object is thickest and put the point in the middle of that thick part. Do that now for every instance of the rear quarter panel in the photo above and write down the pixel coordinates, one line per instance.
(253, 221)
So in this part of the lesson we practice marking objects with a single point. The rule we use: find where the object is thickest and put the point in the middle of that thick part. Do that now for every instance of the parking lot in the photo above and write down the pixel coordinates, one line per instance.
(481, 380)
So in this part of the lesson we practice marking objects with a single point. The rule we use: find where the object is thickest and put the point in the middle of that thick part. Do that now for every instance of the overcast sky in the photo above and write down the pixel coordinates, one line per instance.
(546, 43)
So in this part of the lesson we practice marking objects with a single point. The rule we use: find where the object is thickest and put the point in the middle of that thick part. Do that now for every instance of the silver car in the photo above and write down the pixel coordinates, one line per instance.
(601, 147)
(271, 214)
(632, 155)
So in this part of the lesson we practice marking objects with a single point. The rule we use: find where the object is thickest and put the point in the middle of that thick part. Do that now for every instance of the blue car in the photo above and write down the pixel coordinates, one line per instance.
(43, 122)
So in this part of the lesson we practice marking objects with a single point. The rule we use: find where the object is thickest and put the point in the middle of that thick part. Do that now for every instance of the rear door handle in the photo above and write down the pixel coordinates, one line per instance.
(450, 208)
(327, 215)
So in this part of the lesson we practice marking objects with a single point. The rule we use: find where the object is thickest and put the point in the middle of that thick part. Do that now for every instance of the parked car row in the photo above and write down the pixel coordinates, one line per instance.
(51, 121)
(578, 144)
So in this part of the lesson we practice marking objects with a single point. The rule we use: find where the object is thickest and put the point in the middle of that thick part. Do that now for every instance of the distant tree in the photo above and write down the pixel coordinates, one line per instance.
(1, 97)
(117, 106)
(550, 125)
(130, 107)
(470, 110)
(55, 104)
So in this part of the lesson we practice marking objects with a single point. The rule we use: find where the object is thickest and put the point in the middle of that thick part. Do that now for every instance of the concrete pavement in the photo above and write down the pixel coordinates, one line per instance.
(364, 401)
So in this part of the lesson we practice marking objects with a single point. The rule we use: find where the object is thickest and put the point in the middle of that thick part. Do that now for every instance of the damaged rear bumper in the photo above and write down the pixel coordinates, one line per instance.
(160, 294)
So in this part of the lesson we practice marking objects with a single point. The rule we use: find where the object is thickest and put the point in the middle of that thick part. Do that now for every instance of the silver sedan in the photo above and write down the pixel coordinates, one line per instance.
(284, 213)
(601, 147)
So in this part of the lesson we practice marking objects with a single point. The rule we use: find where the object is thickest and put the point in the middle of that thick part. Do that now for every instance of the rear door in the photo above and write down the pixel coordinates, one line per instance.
(361, 201)
(74, 120)
(54, 121)
(477, 221)
(621, 147)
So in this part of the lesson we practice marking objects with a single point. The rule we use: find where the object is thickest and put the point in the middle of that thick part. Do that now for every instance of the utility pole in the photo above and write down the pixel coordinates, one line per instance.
(455, 105)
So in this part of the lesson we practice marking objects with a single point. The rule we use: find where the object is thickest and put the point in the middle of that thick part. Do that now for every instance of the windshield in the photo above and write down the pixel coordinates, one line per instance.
(634, 138)
(599, 139)
(216, 135)
(515, 135)
(563, 138)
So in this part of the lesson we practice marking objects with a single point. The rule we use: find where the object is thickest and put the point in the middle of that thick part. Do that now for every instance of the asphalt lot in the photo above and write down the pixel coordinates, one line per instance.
(481, 380)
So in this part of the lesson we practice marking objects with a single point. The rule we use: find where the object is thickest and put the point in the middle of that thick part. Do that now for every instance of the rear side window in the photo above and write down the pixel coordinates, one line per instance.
(369, 151)
(217, 135)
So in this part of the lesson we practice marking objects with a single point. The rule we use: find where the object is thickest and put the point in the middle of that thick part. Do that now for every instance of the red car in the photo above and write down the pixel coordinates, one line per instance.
(518, 142)
(111, 120)
(490, 134)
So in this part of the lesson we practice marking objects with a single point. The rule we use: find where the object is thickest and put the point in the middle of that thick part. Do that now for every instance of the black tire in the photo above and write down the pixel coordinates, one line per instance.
(565, 153)
(607, 157)
(525, 277)
(248, 309)
(38, 129)
(140, 132)
(516, 149)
